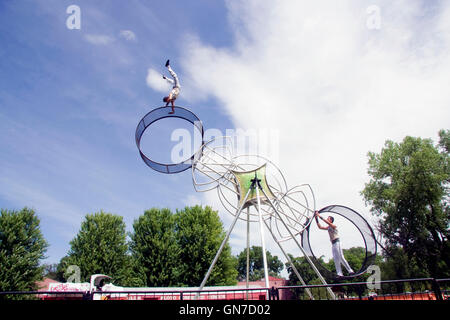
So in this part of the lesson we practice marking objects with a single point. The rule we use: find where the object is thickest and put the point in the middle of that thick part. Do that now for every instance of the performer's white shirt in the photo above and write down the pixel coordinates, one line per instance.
(333, 233)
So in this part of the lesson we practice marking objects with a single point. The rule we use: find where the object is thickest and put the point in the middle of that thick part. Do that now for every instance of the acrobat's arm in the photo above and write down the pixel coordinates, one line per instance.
(328, 223)
(316, 214)
(319, 225)
(169, 80)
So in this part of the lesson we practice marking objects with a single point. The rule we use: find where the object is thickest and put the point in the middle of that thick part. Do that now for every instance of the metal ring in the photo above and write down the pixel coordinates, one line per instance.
(363, 227)
(162, 113)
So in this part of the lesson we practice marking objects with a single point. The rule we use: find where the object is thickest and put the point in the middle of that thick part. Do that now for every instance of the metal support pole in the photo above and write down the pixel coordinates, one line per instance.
(227, 236)
(291, 263)
(261, 227)
(436, 289)
(333, 296)
(248, 251)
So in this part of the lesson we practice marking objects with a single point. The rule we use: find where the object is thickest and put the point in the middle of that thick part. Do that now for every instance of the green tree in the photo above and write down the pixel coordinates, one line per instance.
(399, 266)
(408, 191)
(62, 272)
(444, 140)
(101, 247)
(199, 233)
(22, 246)
(155, 249)
(305, 270)
(256, 266)
(50, 271)
(308, 275)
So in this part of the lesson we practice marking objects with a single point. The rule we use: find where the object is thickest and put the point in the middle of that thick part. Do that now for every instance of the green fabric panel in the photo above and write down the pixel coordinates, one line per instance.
(244, 180)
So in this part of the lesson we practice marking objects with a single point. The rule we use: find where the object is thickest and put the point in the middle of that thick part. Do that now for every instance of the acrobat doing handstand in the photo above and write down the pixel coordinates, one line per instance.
(338, 255)
(175, 89)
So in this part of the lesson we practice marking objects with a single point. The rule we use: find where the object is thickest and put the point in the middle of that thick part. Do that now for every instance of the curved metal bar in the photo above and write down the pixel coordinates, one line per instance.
(201, 160)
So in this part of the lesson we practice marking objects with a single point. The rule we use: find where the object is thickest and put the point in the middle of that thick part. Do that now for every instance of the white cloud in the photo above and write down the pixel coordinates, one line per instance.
(192, 200)
(333, 88)
(128, 35)
(99, 39)
(156, 82)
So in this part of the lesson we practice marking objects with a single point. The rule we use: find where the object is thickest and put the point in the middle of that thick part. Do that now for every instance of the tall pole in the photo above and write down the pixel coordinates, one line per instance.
(247, 274)
(261, 227)
(290, 262)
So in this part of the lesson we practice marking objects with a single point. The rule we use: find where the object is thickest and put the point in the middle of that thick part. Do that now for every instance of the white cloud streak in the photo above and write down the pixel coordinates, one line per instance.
(99, 39)
(156, 82)
(128, 35)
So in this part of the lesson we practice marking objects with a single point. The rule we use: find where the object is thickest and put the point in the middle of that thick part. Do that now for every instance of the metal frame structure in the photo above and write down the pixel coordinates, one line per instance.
(245, 182)
(276, 206)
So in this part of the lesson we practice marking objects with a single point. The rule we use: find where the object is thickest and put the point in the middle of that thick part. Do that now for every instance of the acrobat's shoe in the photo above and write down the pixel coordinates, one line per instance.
(167, 62)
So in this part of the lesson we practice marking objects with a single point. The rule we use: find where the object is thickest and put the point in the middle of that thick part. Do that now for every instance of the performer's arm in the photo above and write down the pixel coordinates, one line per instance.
(169, 80)
(328, 223)
(317, 221)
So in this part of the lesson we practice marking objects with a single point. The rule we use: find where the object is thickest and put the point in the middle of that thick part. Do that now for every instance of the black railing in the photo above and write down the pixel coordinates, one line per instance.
(407, 289)
(44, 295)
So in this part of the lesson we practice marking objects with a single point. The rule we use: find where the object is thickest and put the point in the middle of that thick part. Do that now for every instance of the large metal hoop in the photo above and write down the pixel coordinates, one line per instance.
(162, 113)
(363, 227)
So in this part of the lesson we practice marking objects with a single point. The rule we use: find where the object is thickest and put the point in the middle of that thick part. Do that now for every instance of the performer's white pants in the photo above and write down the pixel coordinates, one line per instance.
(339, 258)
(176, 82)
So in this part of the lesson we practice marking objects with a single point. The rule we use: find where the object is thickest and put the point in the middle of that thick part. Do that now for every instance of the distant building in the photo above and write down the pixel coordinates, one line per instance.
(45, 284)
(273, 282)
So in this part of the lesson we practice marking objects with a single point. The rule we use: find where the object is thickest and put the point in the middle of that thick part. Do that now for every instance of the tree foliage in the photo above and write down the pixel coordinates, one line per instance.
(444, 140)
(22, 246)
(155, 248)
(101, 247)
(199, 235)
(177, 249)
(408, 191)
(50, 271)
(304, 268)
(256, 266)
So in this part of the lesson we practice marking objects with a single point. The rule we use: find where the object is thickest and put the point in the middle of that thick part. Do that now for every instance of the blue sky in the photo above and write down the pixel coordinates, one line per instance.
(332, 87)
(69, 107)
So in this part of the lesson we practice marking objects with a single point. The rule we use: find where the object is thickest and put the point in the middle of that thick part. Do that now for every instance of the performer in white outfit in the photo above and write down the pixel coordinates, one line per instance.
(173, 95)
(338, 255)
